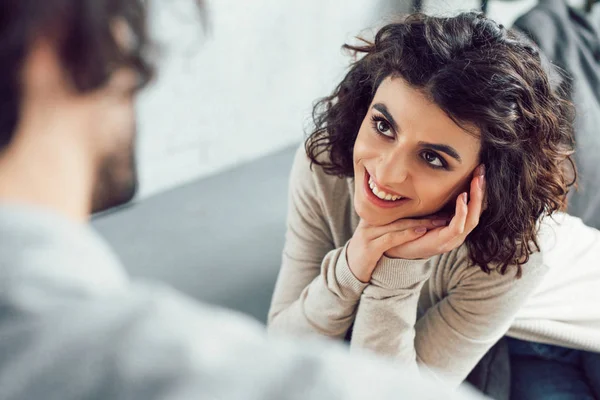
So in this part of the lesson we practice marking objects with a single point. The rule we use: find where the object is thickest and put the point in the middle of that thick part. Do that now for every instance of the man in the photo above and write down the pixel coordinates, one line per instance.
(72, 325)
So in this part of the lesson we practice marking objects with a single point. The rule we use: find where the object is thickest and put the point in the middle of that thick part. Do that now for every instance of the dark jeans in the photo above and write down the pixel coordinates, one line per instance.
(541, 371)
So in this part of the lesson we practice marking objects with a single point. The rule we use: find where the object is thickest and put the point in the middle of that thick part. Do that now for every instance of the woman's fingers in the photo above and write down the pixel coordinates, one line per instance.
(396, 238)
(465, 219)
(404, 224)
(438, 240)
(457, 224)
(460, 227)
(477, 199)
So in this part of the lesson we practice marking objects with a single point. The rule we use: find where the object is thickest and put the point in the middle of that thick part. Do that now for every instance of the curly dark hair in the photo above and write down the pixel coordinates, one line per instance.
(480, 74)
(81, 31)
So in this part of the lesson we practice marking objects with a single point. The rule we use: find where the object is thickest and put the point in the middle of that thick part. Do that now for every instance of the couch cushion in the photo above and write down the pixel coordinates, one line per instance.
(218, 239)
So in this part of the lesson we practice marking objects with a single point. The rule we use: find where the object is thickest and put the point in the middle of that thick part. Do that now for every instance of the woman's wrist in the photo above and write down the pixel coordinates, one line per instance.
(394, 273)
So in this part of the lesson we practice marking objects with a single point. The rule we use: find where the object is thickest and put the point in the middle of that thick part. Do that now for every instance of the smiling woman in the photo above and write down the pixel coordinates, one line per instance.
(478, 91)
(423, 191)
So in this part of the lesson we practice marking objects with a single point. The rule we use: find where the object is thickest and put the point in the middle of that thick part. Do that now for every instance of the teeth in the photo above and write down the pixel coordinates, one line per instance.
(380, 193)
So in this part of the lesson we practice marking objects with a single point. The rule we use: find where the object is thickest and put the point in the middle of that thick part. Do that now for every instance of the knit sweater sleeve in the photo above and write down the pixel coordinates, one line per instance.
(475, 310)
(315, 293)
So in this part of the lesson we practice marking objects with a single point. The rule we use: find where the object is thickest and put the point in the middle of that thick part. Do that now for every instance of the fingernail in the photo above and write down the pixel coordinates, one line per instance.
(464, 198)
(439, 222)
(480, 170)
(480, 181)
(420, 229)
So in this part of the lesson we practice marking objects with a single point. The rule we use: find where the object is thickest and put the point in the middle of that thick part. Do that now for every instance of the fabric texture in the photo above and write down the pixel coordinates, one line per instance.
(542, 371)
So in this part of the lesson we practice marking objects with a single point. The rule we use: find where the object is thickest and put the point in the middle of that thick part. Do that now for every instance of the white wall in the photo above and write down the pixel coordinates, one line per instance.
(243, 90)
(246, 88)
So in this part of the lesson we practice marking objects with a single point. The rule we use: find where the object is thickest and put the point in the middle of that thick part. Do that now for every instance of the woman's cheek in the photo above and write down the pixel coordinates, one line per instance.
(364, 147)
(450, 194)
(434, 193)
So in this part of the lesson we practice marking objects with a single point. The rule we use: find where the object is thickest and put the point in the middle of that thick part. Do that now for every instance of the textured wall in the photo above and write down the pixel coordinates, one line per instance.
(245, 88)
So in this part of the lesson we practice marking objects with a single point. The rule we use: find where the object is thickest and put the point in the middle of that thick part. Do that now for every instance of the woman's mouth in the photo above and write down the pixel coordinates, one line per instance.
(379, 196)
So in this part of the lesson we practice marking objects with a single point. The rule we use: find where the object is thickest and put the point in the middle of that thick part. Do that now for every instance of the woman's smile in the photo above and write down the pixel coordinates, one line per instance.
(380, 196)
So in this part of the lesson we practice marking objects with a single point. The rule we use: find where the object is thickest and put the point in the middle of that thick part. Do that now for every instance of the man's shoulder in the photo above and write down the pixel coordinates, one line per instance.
(154, 343)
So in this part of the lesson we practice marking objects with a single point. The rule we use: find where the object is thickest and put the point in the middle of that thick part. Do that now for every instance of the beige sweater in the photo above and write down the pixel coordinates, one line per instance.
(462, 311)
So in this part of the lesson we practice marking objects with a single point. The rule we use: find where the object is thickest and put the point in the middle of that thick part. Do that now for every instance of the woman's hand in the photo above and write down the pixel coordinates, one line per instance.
(369, 243)
(442, 240)
(416, 238)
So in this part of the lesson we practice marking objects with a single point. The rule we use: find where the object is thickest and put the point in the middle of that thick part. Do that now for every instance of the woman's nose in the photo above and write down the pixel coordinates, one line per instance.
(392, 168)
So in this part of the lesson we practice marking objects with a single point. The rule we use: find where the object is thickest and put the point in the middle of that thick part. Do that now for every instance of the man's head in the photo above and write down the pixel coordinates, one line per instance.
(69, 70)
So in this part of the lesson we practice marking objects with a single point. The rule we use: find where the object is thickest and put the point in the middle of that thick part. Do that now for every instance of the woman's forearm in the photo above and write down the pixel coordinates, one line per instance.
(326, 306)
(386, 317)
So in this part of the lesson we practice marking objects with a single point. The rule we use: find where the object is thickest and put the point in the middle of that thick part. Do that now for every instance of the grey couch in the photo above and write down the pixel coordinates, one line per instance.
(218, 239)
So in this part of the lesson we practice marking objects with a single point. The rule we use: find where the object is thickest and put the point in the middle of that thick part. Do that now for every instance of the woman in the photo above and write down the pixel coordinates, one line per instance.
(415, 208)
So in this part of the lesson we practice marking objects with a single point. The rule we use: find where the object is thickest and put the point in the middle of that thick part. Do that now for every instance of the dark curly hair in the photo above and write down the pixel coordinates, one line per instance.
(480, 74)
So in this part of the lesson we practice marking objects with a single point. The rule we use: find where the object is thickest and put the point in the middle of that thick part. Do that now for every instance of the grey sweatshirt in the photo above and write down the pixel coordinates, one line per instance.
(74, 326)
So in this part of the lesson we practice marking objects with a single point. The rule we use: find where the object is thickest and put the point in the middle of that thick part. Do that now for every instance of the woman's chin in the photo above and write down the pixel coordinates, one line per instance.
(376, 219)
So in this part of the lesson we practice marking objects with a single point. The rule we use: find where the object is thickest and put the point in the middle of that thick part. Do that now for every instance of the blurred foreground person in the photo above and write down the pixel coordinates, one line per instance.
(72, 325)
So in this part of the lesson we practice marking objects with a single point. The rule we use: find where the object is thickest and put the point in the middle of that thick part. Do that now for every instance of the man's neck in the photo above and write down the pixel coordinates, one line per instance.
(40, 170)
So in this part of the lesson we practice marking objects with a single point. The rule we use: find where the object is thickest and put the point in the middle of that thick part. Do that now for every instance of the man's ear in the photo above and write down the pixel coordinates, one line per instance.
(123, 35)
(42, 71)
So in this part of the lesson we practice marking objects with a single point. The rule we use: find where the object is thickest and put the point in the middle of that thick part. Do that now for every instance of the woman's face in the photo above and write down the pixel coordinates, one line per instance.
(410, 158)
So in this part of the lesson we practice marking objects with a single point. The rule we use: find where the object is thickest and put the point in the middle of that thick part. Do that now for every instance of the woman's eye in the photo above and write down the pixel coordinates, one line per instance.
(384, 128)
(433, 159)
